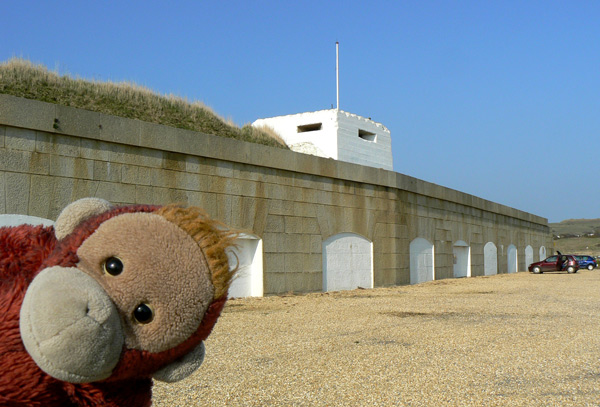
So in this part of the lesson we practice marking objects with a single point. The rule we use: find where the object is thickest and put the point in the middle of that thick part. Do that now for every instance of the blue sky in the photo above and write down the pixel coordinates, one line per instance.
(499, 99)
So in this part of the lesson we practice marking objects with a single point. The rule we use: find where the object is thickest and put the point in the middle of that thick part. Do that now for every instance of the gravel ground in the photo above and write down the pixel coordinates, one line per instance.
(506, 340)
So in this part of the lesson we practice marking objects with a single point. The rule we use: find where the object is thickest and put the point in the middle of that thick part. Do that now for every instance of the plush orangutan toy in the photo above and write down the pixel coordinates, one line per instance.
(110, 297)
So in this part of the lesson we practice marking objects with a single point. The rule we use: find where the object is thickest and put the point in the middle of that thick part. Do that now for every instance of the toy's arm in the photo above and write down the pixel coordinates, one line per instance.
(181, 368)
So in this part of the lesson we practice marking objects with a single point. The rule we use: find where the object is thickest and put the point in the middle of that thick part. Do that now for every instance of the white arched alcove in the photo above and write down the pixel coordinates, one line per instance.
(490, 259)
(422, 264)
(462, 259)
(511, 254)
(248, 281)
(543, 254)
(528, 255)
(347, 262)
(16, 220)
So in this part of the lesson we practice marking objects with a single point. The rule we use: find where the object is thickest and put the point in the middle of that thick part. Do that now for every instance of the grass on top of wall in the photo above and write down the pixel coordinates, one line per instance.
(19, 77)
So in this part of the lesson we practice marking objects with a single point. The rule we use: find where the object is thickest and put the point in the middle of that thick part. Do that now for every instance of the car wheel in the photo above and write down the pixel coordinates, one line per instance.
(571, 269)
(537, 270)
(590, 267)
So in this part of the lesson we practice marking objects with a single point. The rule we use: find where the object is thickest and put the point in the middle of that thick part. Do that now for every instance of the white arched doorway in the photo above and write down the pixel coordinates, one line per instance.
(248, 281)
(347, 262)
(462, 259)
(511, 254)
(422, 264)
(543, 254)
(528, 255)
(490, 259)
(16, 220)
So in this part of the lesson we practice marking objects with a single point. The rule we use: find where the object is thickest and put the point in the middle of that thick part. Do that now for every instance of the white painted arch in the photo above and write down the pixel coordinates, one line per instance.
(347, 262)
(462, 259)
(528, 255)
(16, 220)
(543, 253)
(511, 255)
(490, 259)
(422, 261)
(248, 255)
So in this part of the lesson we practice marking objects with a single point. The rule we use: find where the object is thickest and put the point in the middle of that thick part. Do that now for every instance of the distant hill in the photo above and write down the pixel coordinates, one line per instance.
(576, 227)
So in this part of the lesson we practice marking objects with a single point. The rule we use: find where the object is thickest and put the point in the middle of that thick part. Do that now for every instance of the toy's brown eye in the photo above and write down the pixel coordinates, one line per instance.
(143, 314)
(113, 266)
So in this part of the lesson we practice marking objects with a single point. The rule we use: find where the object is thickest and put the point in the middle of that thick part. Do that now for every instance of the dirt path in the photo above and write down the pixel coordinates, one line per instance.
(506, 340)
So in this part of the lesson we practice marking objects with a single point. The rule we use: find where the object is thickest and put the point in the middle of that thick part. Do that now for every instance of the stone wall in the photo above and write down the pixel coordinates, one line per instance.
(51, 155)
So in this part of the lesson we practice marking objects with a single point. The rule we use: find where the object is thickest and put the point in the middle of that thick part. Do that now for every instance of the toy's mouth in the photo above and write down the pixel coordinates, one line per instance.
(70, 326)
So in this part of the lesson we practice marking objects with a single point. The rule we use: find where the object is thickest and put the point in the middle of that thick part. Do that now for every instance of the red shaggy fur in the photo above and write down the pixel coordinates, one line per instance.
(24, 252)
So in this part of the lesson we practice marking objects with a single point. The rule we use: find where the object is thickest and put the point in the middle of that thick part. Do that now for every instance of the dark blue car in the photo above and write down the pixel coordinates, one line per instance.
(586, 262)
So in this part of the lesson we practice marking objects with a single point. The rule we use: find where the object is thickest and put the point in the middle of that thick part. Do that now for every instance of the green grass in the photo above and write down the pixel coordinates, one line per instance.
(578, 245)
(19, 77)
(576, 227)
(575, 236)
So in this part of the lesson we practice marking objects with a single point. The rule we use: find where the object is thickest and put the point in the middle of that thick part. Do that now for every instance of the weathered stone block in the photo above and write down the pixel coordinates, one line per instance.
(280, 207)
(57, 144)
(310, 226)
(107, 171)
(206, 201)
(15, 161)
(62, 195)
(118, 130)
(293, 224)
(224, 208)
(315, 244)
(173, 161)
(42, 188)
(304, 282)
(94, 150)
(275, 223)
(224, 169)
(295, 262)
(19, 139)
(135, 155)
(82, 123)
(274, 263)
(83, 188)
(27, 113)
(70, 167)
(275, 283)
(17, 192)
(148, 176)
(313, 262)
(384, 277)
(2, 192)
(116, 192)
(237, 216)
(271, 242)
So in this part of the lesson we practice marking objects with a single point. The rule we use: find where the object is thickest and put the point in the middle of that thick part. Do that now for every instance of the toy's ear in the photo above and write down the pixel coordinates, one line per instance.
(182, 368)
(77, 212)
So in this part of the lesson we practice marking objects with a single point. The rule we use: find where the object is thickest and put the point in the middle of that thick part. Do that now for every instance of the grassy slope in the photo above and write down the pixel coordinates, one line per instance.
(21, 78)
(575, 226)
(578, 245)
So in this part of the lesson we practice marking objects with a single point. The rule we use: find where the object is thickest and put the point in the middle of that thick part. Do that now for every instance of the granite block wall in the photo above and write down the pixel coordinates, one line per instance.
(51, 155)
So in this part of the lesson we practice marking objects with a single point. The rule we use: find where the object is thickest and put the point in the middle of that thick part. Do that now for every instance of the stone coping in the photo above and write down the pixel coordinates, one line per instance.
(58, 119)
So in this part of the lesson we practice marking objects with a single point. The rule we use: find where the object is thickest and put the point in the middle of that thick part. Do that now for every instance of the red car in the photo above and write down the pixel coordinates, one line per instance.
(559, 262)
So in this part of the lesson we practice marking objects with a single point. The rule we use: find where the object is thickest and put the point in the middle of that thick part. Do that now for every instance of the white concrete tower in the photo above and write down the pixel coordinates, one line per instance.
(335, 134)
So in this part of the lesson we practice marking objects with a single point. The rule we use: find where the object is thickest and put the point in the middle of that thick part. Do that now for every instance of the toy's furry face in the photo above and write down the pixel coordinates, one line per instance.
(154, 273)
(123, 280)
